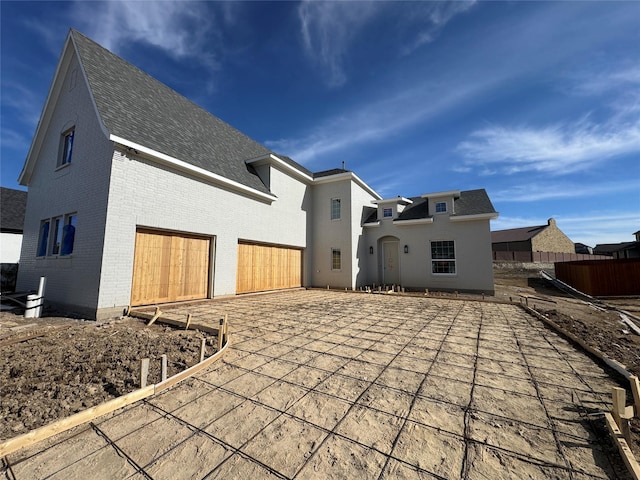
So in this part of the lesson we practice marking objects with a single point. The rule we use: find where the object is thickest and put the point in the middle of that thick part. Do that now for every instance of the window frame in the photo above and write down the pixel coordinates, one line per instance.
(336, 213)
(65, 154)
(443, 255)
(386, 210)
(57, 236)
(334, 252)
(444, 206)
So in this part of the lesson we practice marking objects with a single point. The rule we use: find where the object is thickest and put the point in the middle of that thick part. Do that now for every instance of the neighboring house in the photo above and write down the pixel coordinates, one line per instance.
(542, 238)
(620, 250)
(12, 207)
(583, 249)
(138, 196)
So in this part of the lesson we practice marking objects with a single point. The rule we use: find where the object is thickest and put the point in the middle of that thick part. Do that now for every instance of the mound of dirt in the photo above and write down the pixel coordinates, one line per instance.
(54, 367)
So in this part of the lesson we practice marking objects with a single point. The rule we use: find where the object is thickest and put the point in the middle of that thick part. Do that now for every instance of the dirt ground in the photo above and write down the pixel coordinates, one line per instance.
(53, 367)
(69, 365)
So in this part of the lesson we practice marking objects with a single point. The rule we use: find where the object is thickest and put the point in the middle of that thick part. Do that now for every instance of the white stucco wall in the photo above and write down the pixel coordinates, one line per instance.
(10, 244)
(472, 239)
(360, 198)
(80, 187)
(329, 234)
(143, 193)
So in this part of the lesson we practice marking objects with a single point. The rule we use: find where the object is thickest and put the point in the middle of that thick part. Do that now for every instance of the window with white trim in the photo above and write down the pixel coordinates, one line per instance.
(443, 257)
(336, 259)
(441, 207)
(387, 212)
(335, 209)
(66, 147)
(57, 236)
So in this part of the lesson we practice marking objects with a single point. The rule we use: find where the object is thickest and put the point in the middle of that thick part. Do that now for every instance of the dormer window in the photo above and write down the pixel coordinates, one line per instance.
(387, 212)
(441, 207)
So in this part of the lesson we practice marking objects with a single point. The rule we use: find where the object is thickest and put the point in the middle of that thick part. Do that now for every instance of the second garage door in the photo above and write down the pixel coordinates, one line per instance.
(268, 267)
(170, 267)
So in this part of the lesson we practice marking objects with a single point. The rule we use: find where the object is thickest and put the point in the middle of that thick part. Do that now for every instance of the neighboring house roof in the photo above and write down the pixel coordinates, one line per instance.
(136, 107)
(12, 207)
(327, 173)
(516, 234)
(610, 248)
(470, 202)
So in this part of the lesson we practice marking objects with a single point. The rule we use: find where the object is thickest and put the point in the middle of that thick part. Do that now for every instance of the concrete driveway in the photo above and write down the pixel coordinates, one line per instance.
(334, 385)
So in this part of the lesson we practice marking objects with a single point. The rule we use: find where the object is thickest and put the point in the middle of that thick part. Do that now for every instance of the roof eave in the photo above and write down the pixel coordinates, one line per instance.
(192, 169)
(414, 221)
(348, 176)
(272, 159)
(478, 216)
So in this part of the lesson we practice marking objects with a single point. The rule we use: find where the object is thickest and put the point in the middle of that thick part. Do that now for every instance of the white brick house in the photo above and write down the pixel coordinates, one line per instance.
(138, 196)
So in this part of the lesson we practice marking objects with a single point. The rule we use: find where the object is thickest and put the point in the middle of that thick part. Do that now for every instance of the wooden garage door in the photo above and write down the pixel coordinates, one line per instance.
(268, 267)
(169, 267)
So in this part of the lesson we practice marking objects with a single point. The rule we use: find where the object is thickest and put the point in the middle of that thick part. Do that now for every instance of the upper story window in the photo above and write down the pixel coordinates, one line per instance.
(387, 212)
(66, 147)
(443, 257)
(57, 235)
(335, 209)
(441, 207)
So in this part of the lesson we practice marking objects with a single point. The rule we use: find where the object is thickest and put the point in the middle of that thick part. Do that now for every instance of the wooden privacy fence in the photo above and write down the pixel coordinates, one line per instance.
(543, 257)
(602, 278)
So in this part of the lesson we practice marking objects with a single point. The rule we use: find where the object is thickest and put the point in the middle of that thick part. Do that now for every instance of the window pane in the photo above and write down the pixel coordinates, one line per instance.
(443, 249)
(441, 207)
(44, 238)
(335, 209)
(336, 259)
(57, 235)
(443, 266)
(387, 212)
(67, 148)
(68, 235)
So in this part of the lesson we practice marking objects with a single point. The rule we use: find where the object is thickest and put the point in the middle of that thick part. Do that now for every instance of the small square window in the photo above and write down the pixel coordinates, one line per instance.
(441, 207)
(66, 147)
(335, 209)
(387, 212)
(336, 259)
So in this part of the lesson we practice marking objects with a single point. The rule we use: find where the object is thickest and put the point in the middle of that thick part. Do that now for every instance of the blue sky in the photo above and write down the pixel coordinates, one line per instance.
(537, 102)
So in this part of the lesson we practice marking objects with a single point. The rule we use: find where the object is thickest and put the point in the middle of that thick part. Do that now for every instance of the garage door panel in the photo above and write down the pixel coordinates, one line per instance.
(169, 267)
(268, 267)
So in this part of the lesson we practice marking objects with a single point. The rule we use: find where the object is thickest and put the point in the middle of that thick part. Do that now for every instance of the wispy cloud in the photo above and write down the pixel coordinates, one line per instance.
(327, 29)
(539, 191)
(431, 17)
(181, 29)
(558, 149)
(330, 29)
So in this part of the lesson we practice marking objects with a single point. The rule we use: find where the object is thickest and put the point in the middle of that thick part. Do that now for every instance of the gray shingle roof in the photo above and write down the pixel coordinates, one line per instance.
(12, 206)
(135, 106)
(470, 202)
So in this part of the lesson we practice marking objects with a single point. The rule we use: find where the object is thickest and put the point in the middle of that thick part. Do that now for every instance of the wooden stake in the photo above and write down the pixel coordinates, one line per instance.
(188, 321)
(202, 349)
(163, 367)
(220, 334)
(623, 447)
(155, 316)
(144, 372)
(635, 389)
(226, 329)
(620, 413)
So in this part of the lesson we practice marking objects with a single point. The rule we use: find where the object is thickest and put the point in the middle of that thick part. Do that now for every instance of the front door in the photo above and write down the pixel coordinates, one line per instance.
(390, 268)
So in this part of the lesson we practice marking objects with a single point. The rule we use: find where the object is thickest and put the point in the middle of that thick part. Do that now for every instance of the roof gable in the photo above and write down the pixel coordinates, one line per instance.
(136, 107)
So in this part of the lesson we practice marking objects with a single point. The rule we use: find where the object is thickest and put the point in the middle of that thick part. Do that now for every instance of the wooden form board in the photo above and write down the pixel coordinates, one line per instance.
(267, 267)
(169, 267)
